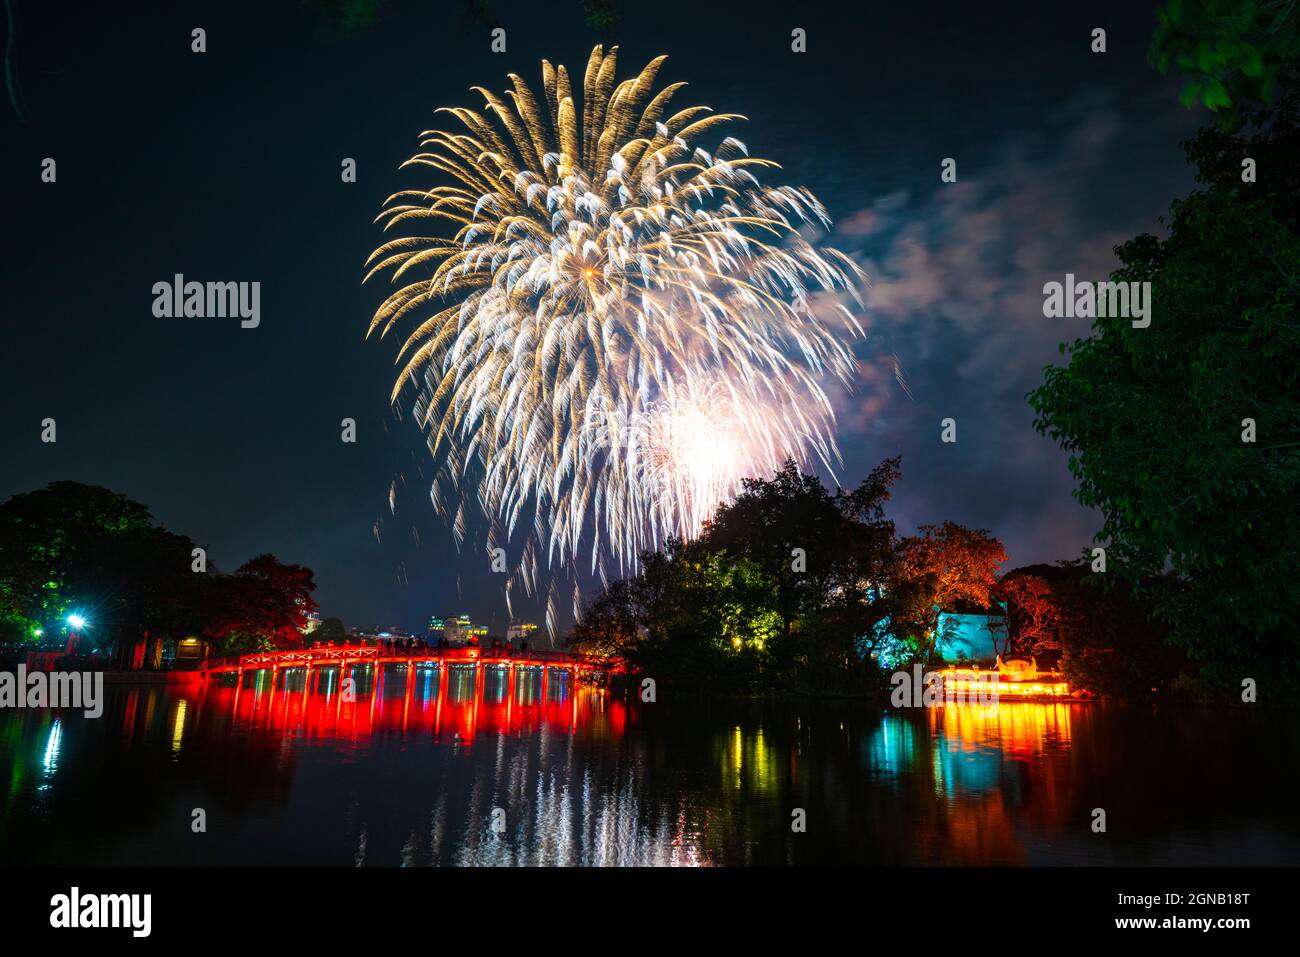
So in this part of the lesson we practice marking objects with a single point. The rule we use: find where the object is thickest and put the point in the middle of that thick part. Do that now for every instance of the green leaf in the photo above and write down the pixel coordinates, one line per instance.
(1216, 96)
(1204, 57)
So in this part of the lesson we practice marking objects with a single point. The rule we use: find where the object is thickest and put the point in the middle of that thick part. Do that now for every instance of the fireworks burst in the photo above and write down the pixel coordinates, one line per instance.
(615, 325)
(698, 451)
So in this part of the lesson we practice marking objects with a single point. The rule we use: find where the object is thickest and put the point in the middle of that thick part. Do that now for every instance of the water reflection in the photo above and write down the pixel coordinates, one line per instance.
(1018, 729)
(456, 706)
(410, 771)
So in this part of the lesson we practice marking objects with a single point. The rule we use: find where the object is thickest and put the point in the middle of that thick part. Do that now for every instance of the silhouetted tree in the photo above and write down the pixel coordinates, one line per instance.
(1185, 435)
(780, 589)
(264, 604)
(1032, 614)
(940, 568)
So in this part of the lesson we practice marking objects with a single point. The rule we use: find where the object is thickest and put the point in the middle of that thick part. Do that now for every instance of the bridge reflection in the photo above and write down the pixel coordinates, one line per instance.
(444, 700)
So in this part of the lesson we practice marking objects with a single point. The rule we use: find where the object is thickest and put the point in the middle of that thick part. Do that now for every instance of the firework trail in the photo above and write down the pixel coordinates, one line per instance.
(612, 325)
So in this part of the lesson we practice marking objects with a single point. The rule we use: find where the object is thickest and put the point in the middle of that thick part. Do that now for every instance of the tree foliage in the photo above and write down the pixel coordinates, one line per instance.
(65, 543)
(787, 587)
(943, 567)
(264, 605)
(1234, 53)
(1155, 419)
(1032, 613)
(80, 548)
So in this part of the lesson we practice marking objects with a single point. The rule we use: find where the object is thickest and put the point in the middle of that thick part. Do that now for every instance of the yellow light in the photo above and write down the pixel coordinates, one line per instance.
(178, 726)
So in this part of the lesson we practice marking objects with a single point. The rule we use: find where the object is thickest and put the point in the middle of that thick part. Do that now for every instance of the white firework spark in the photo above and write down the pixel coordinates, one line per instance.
(616, 325)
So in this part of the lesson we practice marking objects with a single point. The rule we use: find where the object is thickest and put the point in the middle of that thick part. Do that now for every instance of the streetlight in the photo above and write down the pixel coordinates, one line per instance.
(75, 623)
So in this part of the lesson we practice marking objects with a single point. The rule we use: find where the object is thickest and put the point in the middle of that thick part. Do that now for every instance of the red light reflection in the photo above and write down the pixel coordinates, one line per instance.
(452, 702)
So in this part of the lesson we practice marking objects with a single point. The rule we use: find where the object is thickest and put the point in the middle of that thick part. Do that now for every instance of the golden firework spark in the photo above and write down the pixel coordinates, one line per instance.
(606, 291)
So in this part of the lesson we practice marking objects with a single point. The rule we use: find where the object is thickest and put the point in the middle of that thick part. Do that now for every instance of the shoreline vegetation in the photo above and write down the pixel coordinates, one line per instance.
(80, 553)
(794, 590)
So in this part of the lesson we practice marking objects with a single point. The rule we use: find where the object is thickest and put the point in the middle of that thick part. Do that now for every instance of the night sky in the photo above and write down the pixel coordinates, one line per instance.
(225, 166)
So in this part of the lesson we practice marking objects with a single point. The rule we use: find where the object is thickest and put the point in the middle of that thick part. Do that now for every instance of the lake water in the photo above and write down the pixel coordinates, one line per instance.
(414, 775)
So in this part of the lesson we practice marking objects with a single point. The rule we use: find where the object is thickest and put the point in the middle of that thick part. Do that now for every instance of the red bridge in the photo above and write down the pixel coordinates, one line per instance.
(347, 657)
(464, 677)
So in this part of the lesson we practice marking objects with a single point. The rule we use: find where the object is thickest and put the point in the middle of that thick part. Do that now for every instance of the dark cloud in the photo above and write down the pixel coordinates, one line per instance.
(956, 295)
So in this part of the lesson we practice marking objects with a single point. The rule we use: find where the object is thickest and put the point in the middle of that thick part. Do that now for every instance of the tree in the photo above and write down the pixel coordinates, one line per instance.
(62, 548)
(608, 625)
(1202, 406)
(784, 525)
(74, 547)
(943, 567)
(1186, 434)
(779, 590)
(1110, 645)
(265, 604)
(820, 553)
(1033, 617)
(1269, 137)
(824, 558)
(147, 590)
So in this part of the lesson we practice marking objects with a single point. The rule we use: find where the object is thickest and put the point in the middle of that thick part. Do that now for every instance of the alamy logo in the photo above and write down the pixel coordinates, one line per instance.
(931, 689)
(208, 300)
(1089, 300)
(58, 689)
(102, 910)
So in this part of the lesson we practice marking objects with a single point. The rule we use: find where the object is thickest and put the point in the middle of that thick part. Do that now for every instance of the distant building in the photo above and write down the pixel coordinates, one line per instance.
(520, 631)
(456, 631)
(451, 629)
